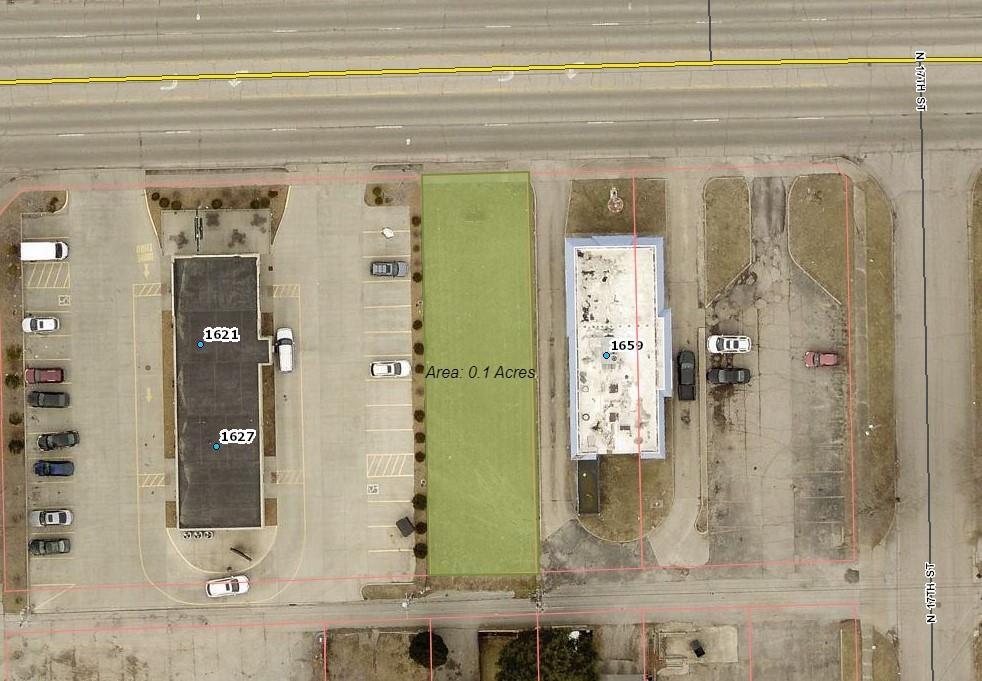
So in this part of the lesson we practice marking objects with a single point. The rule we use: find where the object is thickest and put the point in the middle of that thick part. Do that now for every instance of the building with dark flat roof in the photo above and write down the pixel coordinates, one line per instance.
(218, 388)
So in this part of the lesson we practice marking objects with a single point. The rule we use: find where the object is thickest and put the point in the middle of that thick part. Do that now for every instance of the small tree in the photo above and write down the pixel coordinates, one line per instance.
(15, 418)
(419, 650)
(12, 381)
(420, 528)
(15, 446)
(419, 502)
(420, 550)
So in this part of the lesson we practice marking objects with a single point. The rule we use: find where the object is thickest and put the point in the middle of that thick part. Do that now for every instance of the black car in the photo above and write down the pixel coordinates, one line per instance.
(49, 441)
(686, 361)
(49, 469)
(722, 376)
(40, 398)
(46, 547)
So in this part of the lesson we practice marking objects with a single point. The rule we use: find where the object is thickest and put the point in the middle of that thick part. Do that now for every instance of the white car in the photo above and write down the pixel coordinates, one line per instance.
(50, 518)
(227, 586)
(40, 324)
(284, 348)
(728, 345)
(395, 367)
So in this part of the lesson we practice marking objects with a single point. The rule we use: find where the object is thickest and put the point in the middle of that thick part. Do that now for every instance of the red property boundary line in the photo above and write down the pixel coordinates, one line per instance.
(256, 179)
(642, 615)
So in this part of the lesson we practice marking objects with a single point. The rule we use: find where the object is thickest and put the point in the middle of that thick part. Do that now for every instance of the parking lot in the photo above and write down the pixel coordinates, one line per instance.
(342, 473)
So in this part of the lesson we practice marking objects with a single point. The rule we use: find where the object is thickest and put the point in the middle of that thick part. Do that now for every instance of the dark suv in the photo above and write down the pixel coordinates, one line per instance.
(49, 441)
(40, 398)
(723, 376)
(686, 361)
(53, 469)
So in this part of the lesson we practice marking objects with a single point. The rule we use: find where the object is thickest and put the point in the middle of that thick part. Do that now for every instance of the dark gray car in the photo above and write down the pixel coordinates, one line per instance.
(49, 441)
(40, 398)
(687, 375)
(47, 547)
(722, 376)
(389, 268)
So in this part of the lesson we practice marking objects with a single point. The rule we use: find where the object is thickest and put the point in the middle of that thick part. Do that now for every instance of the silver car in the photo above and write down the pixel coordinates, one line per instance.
(51, 518)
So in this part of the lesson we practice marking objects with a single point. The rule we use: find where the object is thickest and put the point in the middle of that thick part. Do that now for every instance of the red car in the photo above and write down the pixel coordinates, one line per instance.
(814, 359)
(50, 375)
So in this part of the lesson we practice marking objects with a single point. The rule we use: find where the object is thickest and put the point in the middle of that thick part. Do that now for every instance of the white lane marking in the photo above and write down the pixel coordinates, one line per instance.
(71, 134)
(72, 35)
(285, 30)
(391, 28)
(810, 118)
(607, 23)
(600, 122)
(283, 129)
(388, 127)
(495, 125)
(705, 120)
(498, 26)
(177, 132)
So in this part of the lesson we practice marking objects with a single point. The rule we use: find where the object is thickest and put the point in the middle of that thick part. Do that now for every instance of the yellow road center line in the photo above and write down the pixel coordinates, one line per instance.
(454, 70)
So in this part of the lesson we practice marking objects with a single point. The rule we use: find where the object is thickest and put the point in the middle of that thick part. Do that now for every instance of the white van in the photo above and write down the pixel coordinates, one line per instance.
(284, 348)
(43, 250)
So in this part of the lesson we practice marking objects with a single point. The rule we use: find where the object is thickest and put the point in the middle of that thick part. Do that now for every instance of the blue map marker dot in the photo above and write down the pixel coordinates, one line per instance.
(216, 446)
(201, 344)
(606, 355)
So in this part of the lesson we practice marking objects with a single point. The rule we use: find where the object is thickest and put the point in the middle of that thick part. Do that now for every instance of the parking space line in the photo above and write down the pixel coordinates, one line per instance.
(47, 275)
(388, 405)
(50, 533)
(390, 501)
(389, 550)
(286, 477)
(285, 290)
(391, 280)
(151, 479)
(388, 380)
(50, 312)
(390, 354)
(386, 333)
(401, 255)
(388, 430)
(385, 307)
(379, 231)
(146, 290)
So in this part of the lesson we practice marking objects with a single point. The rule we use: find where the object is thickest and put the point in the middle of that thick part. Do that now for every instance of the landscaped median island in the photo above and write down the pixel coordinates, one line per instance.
(479, 337)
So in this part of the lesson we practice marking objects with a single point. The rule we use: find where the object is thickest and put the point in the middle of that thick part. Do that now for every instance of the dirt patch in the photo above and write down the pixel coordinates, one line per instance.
(490, 647)
(269, 512)
(271, 197)
(392, 194)
(975, 237)
(268, 378)
(816, 230)
(877, 472)
(618, 517)
(728, 250)
(590, 202)
(386, 592)
(886, 666)
(13, 445)
(383, 656)
(522, 586)
(848, 648)
(170, 514)
(167, 379)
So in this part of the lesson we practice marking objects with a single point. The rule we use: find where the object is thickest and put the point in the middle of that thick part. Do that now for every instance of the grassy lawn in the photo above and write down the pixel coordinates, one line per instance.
(481, 430)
